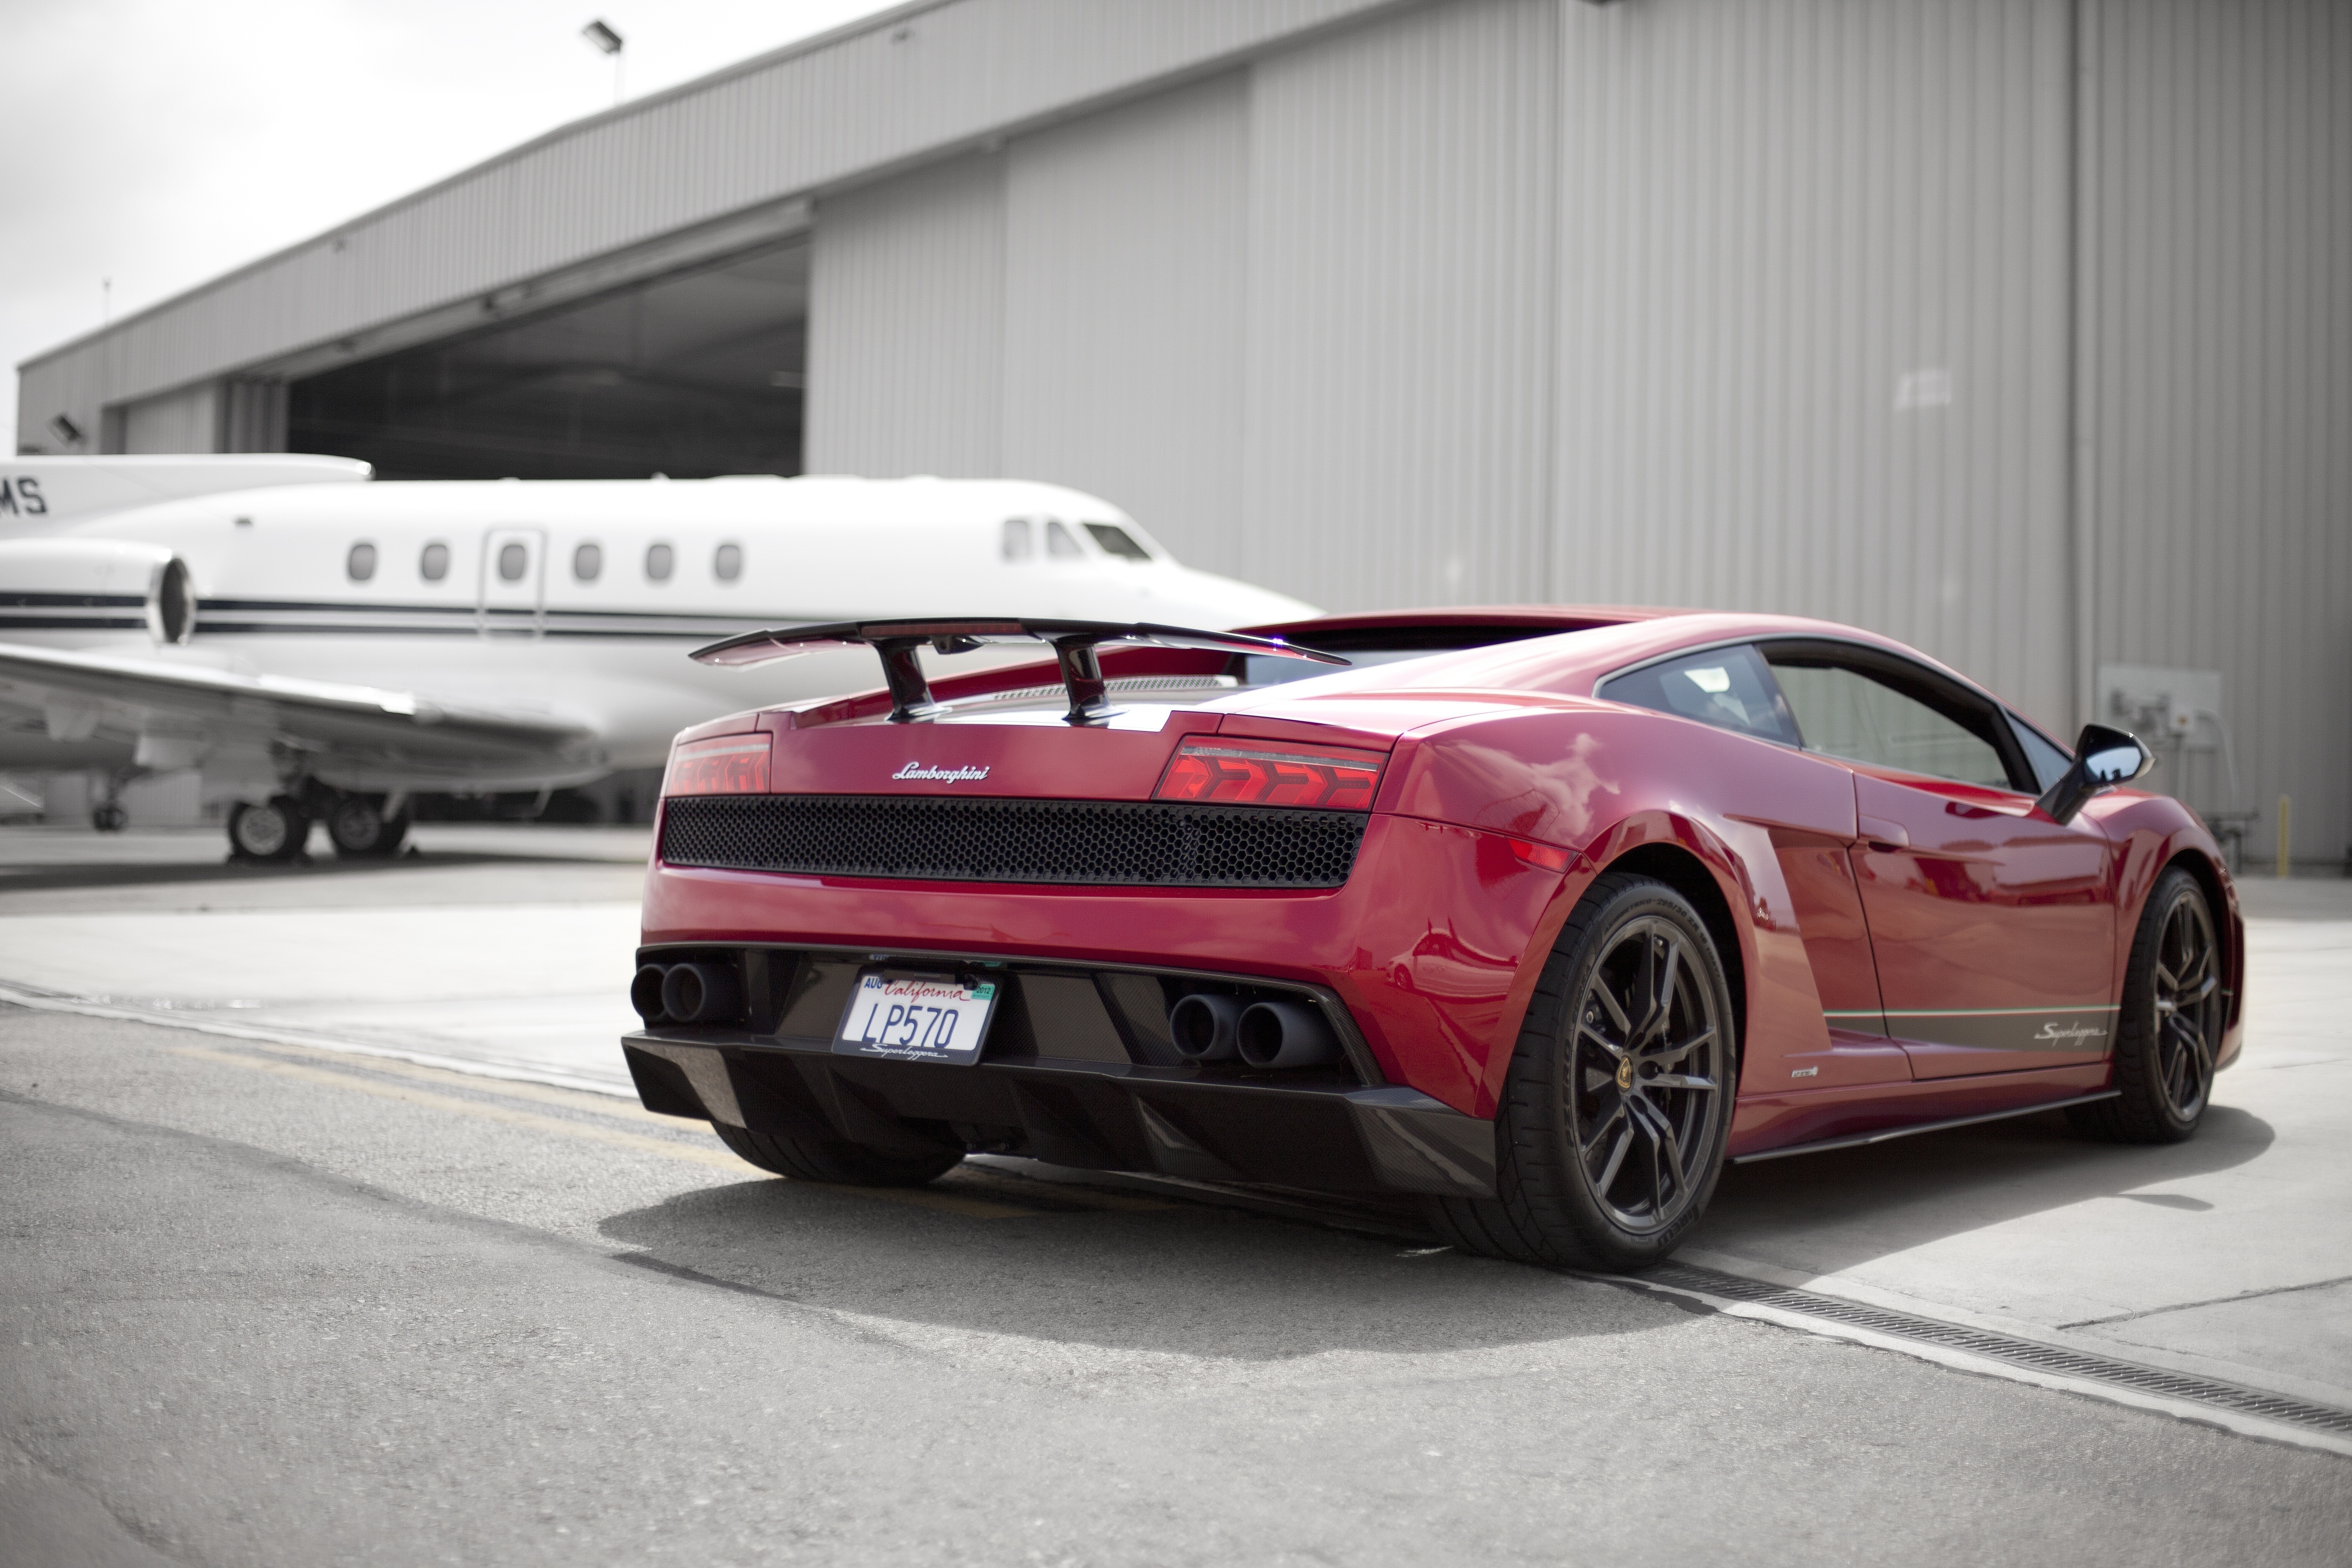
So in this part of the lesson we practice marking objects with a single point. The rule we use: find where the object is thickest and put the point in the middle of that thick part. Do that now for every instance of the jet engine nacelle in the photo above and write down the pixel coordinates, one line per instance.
(82, 584)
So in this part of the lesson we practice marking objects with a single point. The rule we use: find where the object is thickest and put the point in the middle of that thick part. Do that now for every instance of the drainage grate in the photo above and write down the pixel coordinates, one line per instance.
(2003, 1348)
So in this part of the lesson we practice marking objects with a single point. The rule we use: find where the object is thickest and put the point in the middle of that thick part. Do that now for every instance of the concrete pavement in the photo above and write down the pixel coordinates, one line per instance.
(274, 1301)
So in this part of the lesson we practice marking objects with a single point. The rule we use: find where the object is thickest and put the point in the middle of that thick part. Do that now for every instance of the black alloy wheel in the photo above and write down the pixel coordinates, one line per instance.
(1618, 1103)
(108, 818)
(273, 830)
(2168, 1035)
(1645, 1084)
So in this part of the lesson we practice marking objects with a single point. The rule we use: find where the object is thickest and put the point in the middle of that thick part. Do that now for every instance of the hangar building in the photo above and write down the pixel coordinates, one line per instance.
(2019, 329)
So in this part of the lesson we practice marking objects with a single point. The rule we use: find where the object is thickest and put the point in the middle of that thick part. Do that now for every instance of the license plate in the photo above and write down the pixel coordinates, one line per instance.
(916, 1017)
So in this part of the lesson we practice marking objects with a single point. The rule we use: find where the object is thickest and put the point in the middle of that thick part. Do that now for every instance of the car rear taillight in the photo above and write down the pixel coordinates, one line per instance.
(1241, 772)
(725, 764)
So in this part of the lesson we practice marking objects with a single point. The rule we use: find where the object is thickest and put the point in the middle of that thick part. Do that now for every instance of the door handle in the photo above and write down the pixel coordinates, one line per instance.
(1881, 833)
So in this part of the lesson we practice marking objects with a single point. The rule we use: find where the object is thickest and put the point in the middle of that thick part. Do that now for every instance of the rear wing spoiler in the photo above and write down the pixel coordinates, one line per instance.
(1074, 643)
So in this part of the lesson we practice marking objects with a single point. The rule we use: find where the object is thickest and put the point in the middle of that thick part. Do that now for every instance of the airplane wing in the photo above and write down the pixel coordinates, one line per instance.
(74, 694)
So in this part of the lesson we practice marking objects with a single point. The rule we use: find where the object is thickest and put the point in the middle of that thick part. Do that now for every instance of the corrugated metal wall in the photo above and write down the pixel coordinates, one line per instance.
(906, 325)
(1126, 250)
(2219, 260)
(1401, 219)
(1813, 307)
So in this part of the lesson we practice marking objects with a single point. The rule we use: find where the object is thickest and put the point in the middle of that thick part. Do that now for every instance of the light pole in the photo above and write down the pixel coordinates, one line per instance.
(609, 42)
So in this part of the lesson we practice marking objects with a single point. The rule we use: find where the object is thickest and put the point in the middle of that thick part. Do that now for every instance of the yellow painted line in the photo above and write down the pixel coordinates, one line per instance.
(718, 1159)
(512, 1089)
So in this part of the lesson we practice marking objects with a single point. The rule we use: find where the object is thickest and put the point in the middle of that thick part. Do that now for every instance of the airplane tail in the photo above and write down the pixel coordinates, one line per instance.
(37, 493)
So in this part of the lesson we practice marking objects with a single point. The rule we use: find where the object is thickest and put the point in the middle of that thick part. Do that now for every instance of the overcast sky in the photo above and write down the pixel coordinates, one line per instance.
(161, 142)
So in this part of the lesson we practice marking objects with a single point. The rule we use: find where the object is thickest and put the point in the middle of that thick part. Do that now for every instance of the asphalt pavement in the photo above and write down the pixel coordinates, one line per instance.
(320, 1243)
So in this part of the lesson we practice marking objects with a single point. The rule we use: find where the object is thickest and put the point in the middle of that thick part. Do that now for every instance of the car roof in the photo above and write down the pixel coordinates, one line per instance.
(1611, 638)
(1535, 620)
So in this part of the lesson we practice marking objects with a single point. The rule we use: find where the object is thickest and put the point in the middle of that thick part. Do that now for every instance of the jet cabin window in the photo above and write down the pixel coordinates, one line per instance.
(514, 560)
(361, 563)
(588, 563)
(1117, 540)
(434, 563)
(660, 560)
(728, 565)
(1726, 686)
(1850, 707)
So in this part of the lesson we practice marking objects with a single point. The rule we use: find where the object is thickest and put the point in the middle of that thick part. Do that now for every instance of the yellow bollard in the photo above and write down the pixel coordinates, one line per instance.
(2287, 805)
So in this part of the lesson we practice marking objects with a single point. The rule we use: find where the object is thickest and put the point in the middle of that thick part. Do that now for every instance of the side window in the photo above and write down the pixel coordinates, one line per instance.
(434, 563)
(359, 564)
(1018, 544)
(588, 563)
(660, 562)
(1854, 710)
(2048, 762)
(728, 565)
(1726, 686)
(1061, 542)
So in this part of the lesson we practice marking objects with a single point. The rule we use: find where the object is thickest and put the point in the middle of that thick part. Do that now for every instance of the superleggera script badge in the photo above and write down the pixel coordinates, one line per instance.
(2051, 1031)
(940, 775)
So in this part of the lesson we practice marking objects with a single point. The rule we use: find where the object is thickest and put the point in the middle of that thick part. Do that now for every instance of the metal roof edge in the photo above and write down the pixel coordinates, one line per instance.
(889, 17)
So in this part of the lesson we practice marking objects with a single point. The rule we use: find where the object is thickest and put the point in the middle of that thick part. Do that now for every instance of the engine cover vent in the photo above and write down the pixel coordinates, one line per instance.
(925, 838)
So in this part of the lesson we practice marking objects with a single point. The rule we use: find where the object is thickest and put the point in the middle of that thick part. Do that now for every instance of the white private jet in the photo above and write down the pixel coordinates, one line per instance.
(317, 644)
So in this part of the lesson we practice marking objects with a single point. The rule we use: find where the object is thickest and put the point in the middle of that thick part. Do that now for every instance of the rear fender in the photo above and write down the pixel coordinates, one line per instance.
(1614, 785)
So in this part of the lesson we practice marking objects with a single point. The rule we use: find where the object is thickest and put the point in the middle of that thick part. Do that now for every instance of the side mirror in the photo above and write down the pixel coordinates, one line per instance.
(2104, 758)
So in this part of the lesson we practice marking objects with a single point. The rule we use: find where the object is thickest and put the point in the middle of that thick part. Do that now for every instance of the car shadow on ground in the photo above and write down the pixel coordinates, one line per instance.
(1847, 1207)
(1196, 1280)
(1185, 1278)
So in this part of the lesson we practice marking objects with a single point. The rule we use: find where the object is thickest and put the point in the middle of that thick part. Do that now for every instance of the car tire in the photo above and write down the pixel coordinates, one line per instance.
(108, 818)
(359, 829)
(274, 830)
(1592, 1172)
(2169, 1032)
(835, 1161)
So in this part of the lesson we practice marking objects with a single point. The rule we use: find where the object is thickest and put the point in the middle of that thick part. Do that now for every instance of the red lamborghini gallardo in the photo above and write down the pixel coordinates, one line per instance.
(1541, 914)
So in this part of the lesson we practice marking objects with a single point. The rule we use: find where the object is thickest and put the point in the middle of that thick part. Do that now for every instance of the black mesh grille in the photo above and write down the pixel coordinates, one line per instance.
(1108, 842)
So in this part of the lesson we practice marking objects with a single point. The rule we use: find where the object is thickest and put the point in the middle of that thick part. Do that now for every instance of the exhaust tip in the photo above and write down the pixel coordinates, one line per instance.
(1285, 1035)
(645, 993)
(701, 993)
(1203, 1026)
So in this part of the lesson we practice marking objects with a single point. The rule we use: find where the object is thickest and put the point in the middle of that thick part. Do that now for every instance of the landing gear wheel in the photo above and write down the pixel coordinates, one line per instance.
(272, 831)
(1618, 1102)
(108, 818)
(838, 1161)
(2171, 1028)
(359, 829)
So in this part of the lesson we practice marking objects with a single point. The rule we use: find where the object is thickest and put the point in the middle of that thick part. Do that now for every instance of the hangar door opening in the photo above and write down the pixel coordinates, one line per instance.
(692, 373)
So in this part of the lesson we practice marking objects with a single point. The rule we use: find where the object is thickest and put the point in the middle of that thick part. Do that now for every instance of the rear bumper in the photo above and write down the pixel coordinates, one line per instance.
(1433, 946)
(1094, 1115)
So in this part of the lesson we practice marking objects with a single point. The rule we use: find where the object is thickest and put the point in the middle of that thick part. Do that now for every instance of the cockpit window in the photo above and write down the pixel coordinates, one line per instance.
(1726, 686)
(1018, 543)
(1061, 542)
(1117, 540)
